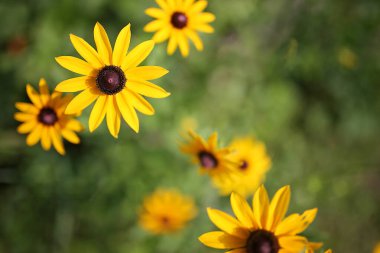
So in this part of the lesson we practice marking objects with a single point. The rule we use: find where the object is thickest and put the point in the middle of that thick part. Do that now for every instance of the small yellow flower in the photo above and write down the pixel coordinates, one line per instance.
(377, 248)
(44, 120)
(166, 211)
(212, 160)
(253, 161)
(178, 21)
(347, 58)
(261, 229)
(112, 78)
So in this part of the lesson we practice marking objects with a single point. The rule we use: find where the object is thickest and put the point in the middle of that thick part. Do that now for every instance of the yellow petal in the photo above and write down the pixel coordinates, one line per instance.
(33, 96)
(98, 112)
(121, 46)
(194, 37)
(163, 4)
(162, 35)
(227, 223)
(242, 210)
(70, 136)
(57, 140)
(27, 127)
(74, 125)
(261, 206)
(45, 138)
(146, 72)
(27, 108)
(183, 44)
(278, 207)
(19, 116)
(137, 55)
(213, 141)
(187, 4)
(203, 28)
(155, 25)
(173, 43)
(113, 116)
(306, 219)
(44, 92)
(76, 65)
(242, 250)
(81, 101)
(86, 51)
(155, 13)
(330, 251)
(289, 225)
(205, 17)
(103, 44)
(221, 240)
(198, 7)
(146, 88)
(34, 135)
(76, 84)
(293, 243)
(138, 102)
(127, 111)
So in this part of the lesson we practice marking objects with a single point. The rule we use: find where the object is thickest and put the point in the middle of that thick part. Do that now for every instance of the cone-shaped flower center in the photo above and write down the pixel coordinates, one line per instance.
(207, 160)
(262, 241)
(111, 80)
(47, 116)
(179, 20)
(243, 165)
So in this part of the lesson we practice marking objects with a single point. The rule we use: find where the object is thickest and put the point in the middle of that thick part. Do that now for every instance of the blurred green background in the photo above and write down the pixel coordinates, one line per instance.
(302, 76)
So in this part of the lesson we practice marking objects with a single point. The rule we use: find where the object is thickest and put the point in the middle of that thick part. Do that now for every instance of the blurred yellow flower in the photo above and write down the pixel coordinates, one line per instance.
(253, 161)
(377, 248)
(261, 229)
(112, 78)
(312, 246)
(212, 160)
(328, 251)
(44, 120)
(347, 58)
(166, 211)
(178, 21)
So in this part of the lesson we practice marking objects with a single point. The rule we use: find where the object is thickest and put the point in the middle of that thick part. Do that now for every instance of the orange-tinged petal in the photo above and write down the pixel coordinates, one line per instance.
(70, 136)
(221, 240)
(241, 250)
(113, 116)
(45, 138)
(137, 55)
(33, 96)
(261, 206)
(86, 51)
(127, 111)
(74, 125)
(81, 101)
(76, 65)
(227, 223)
(44, 92)
(146, 72)
(103, 44)
(146, 88)
(27, 127)
(121, 46)
(34, 136)
(293, 243)
(57, 140)
(278, 207)
(98, 112)
(138, 102)
(27, 108)
(19, 116)
(242, 210)
(76, 84)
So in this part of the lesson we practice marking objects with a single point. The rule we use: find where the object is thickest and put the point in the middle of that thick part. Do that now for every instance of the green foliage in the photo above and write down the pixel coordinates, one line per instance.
(272, 69)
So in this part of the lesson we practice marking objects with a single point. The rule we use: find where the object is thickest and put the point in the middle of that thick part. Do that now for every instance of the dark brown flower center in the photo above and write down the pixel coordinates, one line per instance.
(262, 241)
(179, 20)
(243, 165)
(47, 116)
(207, 160)
(111, 80)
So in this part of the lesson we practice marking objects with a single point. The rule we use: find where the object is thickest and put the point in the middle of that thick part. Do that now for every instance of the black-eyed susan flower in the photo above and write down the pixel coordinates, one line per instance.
(211, 159)
(179, 21)
(44, 120)
(112, 78)
(166, 211)
(261, 229)
(253, 163)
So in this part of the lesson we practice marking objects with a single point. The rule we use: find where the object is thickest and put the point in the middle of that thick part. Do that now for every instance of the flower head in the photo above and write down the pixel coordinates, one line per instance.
(212, 160)
(178, 21)
(253, 163)
(44, 120)
(112, 78)
(261, 229)
(166, 211)
(377, 248)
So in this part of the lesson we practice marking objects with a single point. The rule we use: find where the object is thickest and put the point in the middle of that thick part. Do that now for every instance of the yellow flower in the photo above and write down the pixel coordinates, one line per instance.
(253, 161)
(377, 248)
(112, 78)
(261, 229)
(178, 21)
(212, 160)
(44, 119)
(166, 211)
